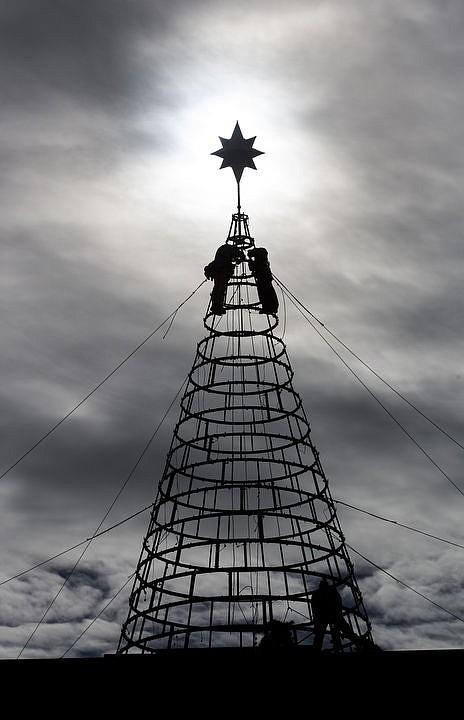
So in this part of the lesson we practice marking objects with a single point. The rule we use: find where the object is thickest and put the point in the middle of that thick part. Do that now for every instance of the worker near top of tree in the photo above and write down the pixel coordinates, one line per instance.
(221, 270)
(260, 268)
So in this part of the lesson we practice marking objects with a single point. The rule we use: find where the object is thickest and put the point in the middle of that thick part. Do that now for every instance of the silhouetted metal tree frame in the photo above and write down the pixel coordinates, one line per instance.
(243, 525)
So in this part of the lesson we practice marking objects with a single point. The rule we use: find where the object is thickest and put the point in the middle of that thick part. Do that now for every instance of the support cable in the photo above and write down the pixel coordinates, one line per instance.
(401, 582)
(397, 392)
(81, 402)
(374, 396)
(395, 522)
(105, 607)
(73, 547)
(96, 532)
(150, 506)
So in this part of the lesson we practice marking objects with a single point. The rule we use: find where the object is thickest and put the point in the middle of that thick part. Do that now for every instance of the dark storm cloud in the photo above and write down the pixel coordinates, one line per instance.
(84, 156)
(63, 316)
(86, 54)
(393, 113)
(87, 273)
(70, 79)
(96, 296)
(400, 90)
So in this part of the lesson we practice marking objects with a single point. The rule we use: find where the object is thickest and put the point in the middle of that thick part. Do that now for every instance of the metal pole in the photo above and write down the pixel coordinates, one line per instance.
(239, 210)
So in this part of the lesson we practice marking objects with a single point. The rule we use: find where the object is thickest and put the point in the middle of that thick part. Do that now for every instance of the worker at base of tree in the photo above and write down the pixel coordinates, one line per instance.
(327, 611)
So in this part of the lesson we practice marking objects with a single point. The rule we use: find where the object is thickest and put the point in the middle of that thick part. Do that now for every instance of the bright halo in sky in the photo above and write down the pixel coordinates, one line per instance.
(199, 127)
(182, 176)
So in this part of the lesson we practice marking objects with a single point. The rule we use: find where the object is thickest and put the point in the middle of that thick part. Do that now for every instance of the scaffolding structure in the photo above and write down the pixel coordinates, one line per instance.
(244, 526)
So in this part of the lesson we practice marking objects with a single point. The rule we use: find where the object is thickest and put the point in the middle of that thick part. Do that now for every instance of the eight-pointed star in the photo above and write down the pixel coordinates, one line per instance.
(237, 152)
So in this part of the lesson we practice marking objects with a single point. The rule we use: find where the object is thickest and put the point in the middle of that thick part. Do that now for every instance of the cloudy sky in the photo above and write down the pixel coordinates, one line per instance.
(111, 205)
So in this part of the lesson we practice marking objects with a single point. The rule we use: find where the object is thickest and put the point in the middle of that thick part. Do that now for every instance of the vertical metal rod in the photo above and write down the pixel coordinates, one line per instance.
(239, 210)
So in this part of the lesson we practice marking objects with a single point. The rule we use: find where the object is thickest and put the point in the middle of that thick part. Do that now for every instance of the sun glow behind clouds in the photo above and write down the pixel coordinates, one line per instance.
(219, 75)
(220, 80)
(202, 123)
(289, 153)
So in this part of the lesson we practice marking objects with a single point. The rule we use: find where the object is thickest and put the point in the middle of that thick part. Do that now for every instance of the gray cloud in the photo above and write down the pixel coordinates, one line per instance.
(107, 221)
(60, 49)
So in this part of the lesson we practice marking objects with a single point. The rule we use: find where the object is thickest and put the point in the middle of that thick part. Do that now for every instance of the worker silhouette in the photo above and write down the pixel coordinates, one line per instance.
(327, 610)
(277, 635)
(221, 270)
(260, 268)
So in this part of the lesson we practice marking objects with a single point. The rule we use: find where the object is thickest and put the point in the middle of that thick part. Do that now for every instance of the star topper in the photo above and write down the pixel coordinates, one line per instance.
(237, 152)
